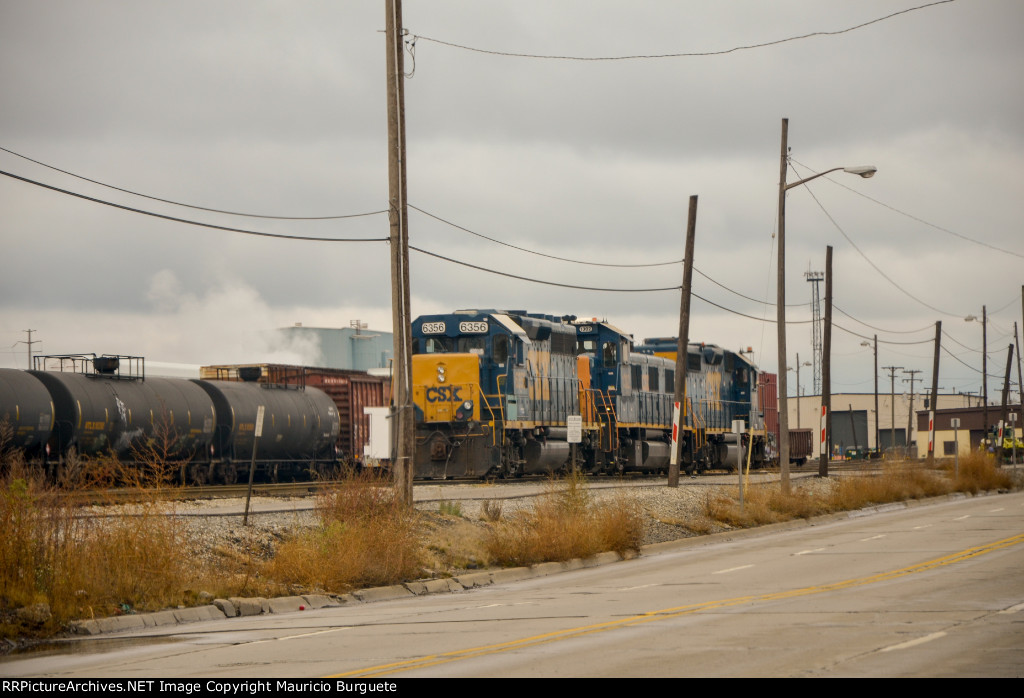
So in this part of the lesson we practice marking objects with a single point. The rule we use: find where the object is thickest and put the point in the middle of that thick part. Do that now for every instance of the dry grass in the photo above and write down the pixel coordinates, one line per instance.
(566, 523)
(978, 473)
(57, 558)
(365, 537)
(762, 504)
(899, 481)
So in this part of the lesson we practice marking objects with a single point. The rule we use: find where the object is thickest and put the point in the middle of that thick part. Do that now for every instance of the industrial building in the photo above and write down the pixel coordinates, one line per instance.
(856, 425)
(354, 348)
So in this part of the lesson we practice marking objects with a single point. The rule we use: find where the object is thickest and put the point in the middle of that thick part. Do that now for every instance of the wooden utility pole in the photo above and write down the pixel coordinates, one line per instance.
(1020, 383)
(29, 343)
(403, 443)
(910, 408)
(984, 367)
(683, 343)
(878, 442)
(1003, 414)
(892, 402)
(826, 367)
(780, 310)
(935, 394)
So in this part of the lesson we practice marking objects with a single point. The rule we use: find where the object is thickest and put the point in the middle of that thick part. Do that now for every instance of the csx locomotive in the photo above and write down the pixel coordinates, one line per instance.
(508, 393)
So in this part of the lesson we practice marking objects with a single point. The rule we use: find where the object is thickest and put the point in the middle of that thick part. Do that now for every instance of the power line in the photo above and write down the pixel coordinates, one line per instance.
(868, 260)
(187, 221)
(591, 288)
(929, 224)
(198, 208)
(540, 281)
(534, 252)
(929, 327)
(595, 264)
(680, 55)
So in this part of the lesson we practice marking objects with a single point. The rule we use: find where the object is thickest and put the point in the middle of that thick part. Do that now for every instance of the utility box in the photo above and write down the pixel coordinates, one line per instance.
(378, 446)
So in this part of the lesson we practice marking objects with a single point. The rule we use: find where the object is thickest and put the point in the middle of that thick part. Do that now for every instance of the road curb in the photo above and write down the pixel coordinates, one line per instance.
(236, 607)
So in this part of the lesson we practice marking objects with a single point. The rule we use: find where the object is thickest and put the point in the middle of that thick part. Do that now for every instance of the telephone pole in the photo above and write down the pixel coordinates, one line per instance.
(682, 346)
(935, 394)
(910, 411)
(29, 343)
(401, 374)
(892, 402)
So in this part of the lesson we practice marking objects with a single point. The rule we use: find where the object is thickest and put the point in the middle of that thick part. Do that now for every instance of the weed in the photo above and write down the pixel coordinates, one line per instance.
(491, 510)
(447, 508)
(365, 537)
(566, 523)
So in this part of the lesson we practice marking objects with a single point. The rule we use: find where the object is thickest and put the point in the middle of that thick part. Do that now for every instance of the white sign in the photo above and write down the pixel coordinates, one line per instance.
(574, 428)
(259, 421)
(432, 328)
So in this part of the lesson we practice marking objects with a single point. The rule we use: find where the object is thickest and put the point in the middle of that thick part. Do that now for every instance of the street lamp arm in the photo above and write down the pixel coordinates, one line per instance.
(864, 171)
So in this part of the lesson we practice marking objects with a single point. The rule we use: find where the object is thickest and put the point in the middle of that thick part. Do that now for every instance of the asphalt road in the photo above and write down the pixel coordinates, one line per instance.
(928, 590)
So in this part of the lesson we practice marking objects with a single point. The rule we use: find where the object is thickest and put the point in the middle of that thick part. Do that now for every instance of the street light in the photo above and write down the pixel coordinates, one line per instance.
(984, 364)
(861, 170)
(797, 370)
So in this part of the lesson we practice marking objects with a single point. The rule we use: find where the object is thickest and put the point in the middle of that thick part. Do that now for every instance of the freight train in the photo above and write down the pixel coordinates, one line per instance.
(496, 394)
(509, 393)
(106, 405)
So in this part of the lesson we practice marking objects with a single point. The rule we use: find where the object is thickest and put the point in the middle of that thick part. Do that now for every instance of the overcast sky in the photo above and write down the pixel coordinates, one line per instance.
(278, 108)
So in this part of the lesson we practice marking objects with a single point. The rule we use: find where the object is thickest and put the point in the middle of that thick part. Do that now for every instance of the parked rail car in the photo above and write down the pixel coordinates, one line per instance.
(26, 410)
(493, 391)
(106, 405)
(299, 431)
(351, 391)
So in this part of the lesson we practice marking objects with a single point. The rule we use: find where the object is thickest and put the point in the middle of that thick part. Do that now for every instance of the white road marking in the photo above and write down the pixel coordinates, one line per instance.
(732, 569)
(1013, 609)
(808, 552)
(918, 528)
(880, 535)
(642, 586)
(912, 643)
(961, 518)
(992, 511)
(294, 637)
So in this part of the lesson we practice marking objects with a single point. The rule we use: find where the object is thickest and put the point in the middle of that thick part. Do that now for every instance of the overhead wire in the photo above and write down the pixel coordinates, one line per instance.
(192, 206)
(868, 260)
(694, 54)
(535, 252)
(982, 243)
(836, 307)
(187, 221)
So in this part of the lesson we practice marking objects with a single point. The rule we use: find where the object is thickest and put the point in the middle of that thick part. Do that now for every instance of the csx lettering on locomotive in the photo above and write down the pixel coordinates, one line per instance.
(446, 393)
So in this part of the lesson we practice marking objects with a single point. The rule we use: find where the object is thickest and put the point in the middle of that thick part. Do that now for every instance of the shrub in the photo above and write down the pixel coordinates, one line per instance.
(566, 523)
(365, 537)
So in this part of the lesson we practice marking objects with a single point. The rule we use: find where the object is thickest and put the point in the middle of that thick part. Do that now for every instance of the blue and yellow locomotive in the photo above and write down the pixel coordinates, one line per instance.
(503, 393)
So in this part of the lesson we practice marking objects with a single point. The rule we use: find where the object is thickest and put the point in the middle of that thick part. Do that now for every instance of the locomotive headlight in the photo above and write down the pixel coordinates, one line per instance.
(464, 411)
(442, 374)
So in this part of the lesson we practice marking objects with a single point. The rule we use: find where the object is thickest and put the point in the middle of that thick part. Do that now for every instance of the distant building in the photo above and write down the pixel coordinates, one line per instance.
(354, 347)
(968, 435)
(855, 424)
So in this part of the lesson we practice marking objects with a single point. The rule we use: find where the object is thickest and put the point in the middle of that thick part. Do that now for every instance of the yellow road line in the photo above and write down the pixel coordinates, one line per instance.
(676, 611)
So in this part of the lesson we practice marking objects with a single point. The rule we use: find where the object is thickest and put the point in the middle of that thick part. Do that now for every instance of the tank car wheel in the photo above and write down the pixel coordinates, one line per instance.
(229, 473)
(197, 474)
